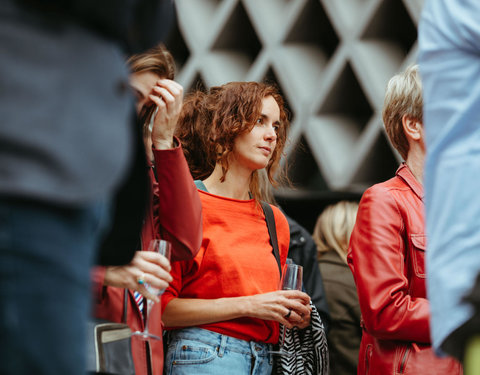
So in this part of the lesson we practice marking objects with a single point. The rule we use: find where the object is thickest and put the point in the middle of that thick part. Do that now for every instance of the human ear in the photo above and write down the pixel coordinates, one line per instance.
(412, 128)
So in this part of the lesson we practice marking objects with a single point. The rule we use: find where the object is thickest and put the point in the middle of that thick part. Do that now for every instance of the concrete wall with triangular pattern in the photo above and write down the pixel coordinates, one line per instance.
(330, 58)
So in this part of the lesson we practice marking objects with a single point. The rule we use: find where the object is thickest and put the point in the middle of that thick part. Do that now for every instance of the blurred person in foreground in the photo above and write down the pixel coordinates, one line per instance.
(174, 212)
(387, 249)
(70, 152)
(449, 59)
(332, 235)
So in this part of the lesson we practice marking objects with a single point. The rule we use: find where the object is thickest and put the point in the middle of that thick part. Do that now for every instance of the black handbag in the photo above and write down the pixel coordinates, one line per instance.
(109, 347)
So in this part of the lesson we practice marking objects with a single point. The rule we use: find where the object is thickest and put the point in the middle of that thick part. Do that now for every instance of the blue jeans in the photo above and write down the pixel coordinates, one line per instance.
(45, 257)
(199, 351)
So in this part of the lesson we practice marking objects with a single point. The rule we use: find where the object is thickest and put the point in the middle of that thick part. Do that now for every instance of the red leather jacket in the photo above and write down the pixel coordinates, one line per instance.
(387, 259)
(175, 215)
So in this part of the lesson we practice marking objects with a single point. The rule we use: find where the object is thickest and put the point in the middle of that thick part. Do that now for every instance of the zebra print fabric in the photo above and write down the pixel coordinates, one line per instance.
(309, 346)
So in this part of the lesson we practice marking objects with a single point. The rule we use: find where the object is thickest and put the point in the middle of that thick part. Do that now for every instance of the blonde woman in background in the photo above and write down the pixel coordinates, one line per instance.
(332, 234)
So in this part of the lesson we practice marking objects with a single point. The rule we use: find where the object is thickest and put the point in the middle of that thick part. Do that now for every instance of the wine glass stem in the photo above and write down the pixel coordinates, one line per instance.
(149, 309)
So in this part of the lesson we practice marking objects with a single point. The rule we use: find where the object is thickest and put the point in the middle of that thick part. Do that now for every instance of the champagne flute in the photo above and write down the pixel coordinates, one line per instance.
(291, 280)
(161, 247)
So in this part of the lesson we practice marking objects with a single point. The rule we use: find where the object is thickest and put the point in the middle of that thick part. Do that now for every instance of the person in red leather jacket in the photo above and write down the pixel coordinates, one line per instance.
(387, 250)
(174, 213)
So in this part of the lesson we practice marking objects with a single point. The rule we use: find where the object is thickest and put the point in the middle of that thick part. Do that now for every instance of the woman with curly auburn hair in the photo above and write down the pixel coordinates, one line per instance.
(223, 308)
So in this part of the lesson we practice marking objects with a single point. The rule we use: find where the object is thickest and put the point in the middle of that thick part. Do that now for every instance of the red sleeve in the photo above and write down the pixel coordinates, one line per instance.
(174, 287)
(179, 269)
(179, 218)
(97, 275)
(377, 257)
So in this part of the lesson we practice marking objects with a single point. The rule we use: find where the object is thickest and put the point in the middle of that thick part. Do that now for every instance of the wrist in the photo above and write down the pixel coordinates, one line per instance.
(106, 276)
(111, 277)
(245, 306)
(163, 144)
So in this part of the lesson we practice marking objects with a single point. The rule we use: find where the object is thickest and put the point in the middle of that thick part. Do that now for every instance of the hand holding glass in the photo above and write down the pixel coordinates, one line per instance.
(161, 247)
(291, 280)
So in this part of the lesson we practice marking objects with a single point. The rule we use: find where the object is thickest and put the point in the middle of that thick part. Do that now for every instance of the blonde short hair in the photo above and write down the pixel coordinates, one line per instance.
(334, 227)
(403, 96)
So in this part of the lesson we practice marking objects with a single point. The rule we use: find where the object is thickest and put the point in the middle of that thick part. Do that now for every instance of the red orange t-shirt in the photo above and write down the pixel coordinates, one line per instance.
(235, 259)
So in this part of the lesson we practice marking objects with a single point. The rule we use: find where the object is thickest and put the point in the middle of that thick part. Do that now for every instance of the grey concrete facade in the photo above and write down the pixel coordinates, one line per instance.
(330, 58)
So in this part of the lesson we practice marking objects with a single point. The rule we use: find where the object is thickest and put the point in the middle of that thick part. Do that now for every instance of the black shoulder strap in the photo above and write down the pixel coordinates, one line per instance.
(273, 233)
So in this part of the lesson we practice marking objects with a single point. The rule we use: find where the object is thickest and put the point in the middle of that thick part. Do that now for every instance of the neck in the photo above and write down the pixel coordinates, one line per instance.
(235, 186)
(415, 160)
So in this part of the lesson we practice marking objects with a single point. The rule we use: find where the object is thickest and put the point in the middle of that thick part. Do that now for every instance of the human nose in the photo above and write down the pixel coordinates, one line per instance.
(271, 133)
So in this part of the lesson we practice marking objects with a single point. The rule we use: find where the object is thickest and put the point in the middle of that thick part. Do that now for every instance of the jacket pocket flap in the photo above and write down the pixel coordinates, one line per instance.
(419, 241)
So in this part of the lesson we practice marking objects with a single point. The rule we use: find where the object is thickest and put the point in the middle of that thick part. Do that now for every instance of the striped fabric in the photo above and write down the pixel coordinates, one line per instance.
(139, 300)
(310, 348)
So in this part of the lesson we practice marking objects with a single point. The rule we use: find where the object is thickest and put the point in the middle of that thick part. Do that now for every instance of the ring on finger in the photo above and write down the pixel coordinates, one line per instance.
(141, 279)
(287, 315)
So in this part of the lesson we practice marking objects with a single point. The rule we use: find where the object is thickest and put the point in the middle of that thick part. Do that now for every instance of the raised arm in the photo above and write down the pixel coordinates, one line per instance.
(178, 218)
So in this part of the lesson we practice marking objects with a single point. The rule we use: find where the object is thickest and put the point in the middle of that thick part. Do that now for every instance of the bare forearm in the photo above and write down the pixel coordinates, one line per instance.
(183, 312)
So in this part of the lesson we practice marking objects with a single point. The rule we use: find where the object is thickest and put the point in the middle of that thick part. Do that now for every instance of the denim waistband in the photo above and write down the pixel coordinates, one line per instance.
(219, 340)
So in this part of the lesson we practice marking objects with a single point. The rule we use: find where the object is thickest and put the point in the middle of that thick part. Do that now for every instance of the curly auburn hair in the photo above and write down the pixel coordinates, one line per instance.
(193, 130)
(210, 123)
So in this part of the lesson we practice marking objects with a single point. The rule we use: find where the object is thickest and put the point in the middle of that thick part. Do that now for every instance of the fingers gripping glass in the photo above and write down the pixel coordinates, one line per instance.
(164, 248)
(291, 280)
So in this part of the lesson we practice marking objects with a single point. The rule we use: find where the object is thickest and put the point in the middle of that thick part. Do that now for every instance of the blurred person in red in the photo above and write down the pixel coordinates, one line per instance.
(387, 249)
(174, 213)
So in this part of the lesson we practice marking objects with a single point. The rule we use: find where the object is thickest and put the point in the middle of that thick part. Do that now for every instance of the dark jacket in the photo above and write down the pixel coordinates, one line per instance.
(303, 251)
(345, 331)
(387, 259)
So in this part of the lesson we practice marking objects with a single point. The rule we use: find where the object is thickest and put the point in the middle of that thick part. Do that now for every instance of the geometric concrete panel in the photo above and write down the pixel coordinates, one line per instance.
(331, 60)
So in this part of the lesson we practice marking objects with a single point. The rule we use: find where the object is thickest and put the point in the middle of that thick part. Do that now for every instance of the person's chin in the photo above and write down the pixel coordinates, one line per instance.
(262, 164)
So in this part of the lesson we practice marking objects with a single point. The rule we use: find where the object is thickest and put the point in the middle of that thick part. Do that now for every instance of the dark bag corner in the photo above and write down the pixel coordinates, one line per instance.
(109, 349)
